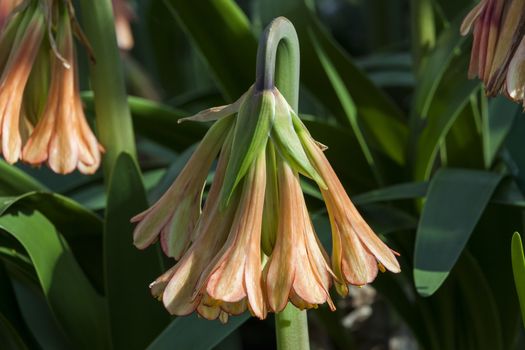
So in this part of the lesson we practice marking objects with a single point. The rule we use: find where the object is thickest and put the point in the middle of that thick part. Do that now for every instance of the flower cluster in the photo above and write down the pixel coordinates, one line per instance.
(41, 114)
(498, 51)
(253, 245)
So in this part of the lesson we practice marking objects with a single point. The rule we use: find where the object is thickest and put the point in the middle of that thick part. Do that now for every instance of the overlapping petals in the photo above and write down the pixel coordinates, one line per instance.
(41, 114)
(254, 247)
(497, 56)
(62, 136)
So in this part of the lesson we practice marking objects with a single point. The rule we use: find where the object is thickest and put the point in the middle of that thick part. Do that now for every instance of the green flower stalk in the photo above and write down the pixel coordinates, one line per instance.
(253, 247)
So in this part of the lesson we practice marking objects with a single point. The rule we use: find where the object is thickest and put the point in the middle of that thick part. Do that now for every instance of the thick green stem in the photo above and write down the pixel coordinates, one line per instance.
(423, 29)
(113, 118)
(278, 65)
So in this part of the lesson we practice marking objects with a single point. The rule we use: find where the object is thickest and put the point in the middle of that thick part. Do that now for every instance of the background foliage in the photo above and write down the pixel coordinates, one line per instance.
(435, 166)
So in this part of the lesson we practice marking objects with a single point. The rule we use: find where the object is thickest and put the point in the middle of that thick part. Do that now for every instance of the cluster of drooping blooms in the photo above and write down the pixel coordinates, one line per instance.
(41, 114)
(252, 245)
(498, 51)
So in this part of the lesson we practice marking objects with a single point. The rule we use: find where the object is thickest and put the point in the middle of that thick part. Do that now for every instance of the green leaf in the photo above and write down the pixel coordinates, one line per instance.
(221, 32)
(496, 126)
(435, 66)
(347, 103)
(451, 99)
(84, 234)
(518, 267)
(65, 286)
(409, 190)
(193, 332)
(14, 181)
(377, 114)
(159, 122)
(455, 201)
(135, 316)
(343, 148)
(478, 300)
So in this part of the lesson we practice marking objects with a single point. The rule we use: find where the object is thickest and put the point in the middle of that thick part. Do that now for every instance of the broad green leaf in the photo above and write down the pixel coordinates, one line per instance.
(452, 97)
(463, 145)
(9, 310)
(159, 122)
(73, 300)
(436, 64)
(343, 149)
(170, 175)
(518, 267)
(347, 104)
(409, 190)
(497, 122)
(135, 316)
(478, 300)
(455, 201)
(492, 253)
(84, 234)
(377, 114)
(14, 181)
(193, 332)
(221, 32)
(514, 146)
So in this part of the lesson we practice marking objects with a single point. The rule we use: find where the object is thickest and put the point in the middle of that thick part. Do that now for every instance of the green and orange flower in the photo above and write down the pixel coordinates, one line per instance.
(253, 247)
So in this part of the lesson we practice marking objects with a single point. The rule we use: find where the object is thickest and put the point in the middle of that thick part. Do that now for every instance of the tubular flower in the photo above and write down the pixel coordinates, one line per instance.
(41, 114)
(6, 7)
(497, 56)
(254, 247)
(16, 68)
(357, 252)
(61, 136)
(124, 14)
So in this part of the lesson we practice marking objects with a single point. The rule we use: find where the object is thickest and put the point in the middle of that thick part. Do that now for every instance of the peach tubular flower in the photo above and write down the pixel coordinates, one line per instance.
(297, 270)
(485, 18)
(6, 8)
(177, 286)
(14, 79)
(175, 214)
(124, 14)
(516, 75)
(62, 136)
(235, 273)
(498, 29)
(356, 250)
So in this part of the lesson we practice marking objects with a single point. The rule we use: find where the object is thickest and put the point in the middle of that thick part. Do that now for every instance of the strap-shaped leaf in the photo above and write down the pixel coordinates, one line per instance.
(455, 201)
(135, 316)
(518, 267)
(73, 300)
(193, 332)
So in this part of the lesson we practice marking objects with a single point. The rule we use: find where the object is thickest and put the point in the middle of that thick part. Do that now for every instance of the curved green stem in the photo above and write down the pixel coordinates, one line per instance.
(114, 125)
(278, 65)
(278, 60)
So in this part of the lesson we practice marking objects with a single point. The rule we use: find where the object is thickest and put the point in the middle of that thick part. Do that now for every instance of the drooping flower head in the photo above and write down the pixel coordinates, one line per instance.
(497, 55)
(41, 114)
(253, 246)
